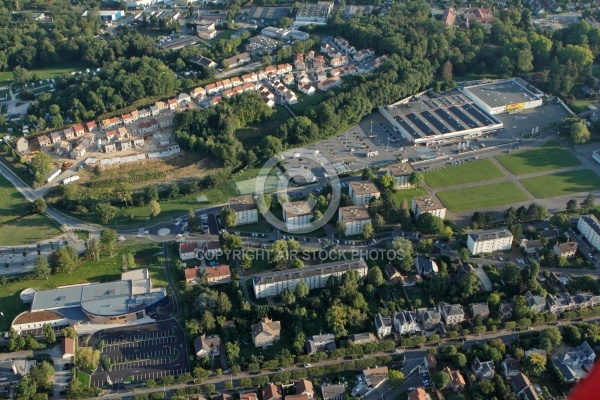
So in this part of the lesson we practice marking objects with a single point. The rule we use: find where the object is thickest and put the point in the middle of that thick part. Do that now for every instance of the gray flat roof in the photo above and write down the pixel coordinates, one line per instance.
(498, 94)
(306, 272)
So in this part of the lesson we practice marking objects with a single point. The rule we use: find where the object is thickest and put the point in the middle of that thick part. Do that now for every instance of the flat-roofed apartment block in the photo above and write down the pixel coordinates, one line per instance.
(245, 209)
(401, 174)
(489, 241)
(354, 218)
(273, 283)
(589, 226)
(428, 204)
(297, 215)
(362, 192)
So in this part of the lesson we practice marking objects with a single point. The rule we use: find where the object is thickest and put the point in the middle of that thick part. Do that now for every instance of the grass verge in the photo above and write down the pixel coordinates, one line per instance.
(463, 173)
(84, 378)
(545, 158)
(484, 196)
(563, 183)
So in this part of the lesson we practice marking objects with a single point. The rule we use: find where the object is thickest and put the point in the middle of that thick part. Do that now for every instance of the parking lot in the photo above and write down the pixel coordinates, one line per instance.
(139, 353)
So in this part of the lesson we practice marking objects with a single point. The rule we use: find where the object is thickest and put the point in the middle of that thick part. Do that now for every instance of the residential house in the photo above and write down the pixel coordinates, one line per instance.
(265, 333)
(297, 214)
(68, 348)
(449, 16)
(135, 115)
(207, 346)
(198, 93)
(22, 146)
(90, 126)
(565, 250)
(237, 60)
(418, 394)
(457, 382)
(272, 392)
(354, 219)
(203, 61)
(299, 63)
(430, 361)
(426, 266)
(589, 226)
(79, 130)
(127, 119)
(109, 147)
(211, 249)
(483, 370)
(489, 241)
(510, 367)
(191, 275)
(383, 326)
(216, 275)
(428, 204)
(172, 104)
(55, 137)
(375, 376)
(188, 250)
(451, 313)
(576, 362)
(333, 392)
(532, 246)
(536, 303)
(215, 100)
(362, 338)
(226, 84)
(79, 151)
(480, 309)
(429, 318)
(410, 280)
(236, 81)
(401, 174)
(320, 343)
(522, 387)
(307, 89)
(248, 396)
(304, 386)
(329, 83)
(482, 15)
(549, 234)
(560, 303)
(44, 140)
(406, 322)
(506, 309)
(362, 192)
(586, 299)
(392, 273)
(245, 209)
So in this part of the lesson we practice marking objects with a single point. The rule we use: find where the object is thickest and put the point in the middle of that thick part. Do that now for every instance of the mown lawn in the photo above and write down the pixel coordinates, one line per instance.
(30, 229)
(483, 196)
(563, 183)
(476, 171)
(548, 157)
(47, 73)
(407, 194)
(12, 203)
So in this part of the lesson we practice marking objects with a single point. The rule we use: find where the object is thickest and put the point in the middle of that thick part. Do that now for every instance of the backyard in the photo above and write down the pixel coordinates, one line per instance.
(484, 196)
(563, 183)
(545, 158)
(463, 173)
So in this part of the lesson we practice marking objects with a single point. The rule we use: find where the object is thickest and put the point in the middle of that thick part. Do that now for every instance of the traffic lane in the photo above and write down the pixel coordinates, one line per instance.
(212, 224)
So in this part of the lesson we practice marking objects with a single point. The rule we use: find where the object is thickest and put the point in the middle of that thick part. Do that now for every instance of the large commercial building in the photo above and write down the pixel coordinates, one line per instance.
(245, 209)
(126, 300)
(108, 15)
(270, 284)
(313, 14)
(428, 204)
(589, 226)
(362, 192)
(504, 96)
(489, 241)
(354, 218)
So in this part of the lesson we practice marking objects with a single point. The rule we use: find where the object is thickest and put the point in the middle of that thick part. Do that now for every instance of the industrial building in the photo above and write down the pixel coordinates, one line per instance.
(503, 96)
(313, 14)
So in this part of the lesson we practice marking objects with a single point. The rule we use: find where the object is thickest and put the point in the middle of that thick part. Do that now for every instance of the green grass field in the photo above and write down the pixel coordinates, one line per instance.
(407, 194)
(30, 229)
(548, 157)
(463, 173)
(46, 73)
(305, 101)
(12, 203)
(560, 184)
(483, 196)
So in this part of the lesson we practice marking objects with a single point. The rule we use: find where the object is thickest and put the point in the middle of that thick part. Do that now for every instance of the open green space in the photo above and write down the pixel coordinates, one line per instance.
(250, 135)
(84, 378)
(12, 203)
(407, 194)
(151, 257)
(106, 270)
(46, 73)
(547, 157)
(563, 183)
(476, 171)
(483, 196)
(30, 229)
(305, 101)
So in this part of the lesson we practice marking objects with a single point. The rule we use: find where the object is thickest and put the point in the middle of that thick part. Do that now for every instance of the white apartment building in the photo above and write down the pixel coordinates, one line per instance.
(297, 215)
(273, 283)
(428, 204)
(401, 174)
(245, 209)
(354, 218)
(489, 241)
(589, 226)
(406, 322)
(362, 192)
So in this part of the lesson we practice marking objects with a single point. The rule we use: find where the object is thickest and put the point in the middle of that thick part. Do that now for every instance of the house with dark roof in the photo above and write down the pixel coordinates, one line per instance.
(451, 313)
(576, 362)
(565, 250)
(426, 266)
(506, 309)
(520, 384)
(362, 338)
(392, 273)
(383, 326)
(187, 250)
(406, 322)
(536, 303)
(207, 345)
(320, 343)
(429, 318)
(510, 367)
(333, 392)
(483, 370)
(481, 309)
(532, 246)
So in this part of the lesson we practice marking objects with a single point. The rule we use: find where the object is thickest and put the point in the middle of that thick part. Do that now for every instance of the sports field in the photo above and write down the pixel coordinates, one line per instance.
(476, 171)
(483, 196)
(563, 183)
(545, 158)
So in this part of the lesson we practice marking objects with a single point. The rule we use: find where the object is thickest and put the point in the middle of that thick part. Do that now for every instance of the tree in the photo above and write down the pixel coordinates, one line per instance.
(341, 227)
(49, 334)
(588, 202)
(62, 260)
(550, 338)
(375, 277)
(464, 255)
(106, 212)
(424, 246)
(39, 206)
(446, 234)
(208, 321)
(572, 206)
(108, 239)
(396, 378)
(301, 289)
(579, 132)
(416, 179)
(154, 208)
(87, 358)
(368, 231)
(26, 387)
(208, 388)
(41, 268)
(459, 360)
(229, 217)
(404, 249)
(92, 249)
(429, 223)
(232, 349)
(228, 385)
(447, 71)
(441, 379)
(534, 365)
(288, 297)
(271, 146)
(41, 165)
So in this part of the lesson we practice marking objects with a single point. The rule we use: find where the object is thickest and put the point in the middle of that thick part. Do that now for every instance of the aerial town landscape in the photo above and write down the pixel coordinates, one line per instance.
(271, 200)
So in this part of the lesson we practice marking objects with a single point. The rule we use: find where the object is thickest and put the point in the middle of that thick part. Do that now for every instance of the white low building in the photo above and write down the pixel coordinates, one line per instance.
(354, 218)
(489, 241)
(245, 209)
